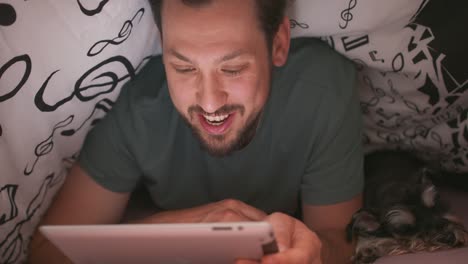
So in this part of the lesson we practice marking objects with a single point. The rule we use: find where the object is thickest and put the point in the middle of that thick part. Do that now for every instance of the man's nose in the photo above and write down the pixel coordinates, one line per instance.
(211, 95)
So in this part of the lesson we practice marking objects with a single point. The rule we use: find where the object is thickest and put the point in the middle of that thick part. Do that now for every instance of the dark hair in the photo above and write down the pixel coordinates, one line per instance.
(270, 14)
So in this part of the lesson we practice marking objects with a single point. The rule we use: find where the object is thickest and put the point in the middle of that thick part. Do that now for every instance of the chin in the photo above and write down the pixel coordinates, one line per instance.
(218, 146)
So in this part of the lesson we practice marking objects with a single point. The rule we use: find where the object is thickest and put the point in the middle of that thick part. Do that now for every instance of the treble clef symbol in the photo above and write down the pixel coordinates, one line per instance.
(295, 23)
(346, 14)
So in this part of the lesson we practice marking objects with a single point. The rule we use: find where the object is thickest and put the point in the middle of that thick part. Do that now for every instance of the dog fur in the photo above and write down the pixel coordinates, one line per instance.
(402, 210)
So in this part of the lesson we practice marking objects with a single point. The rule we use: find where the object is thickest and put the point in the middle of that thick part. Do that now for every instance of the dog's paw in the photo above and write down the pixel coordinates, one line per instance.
(369, 249)
(452, 235)
(363, 223)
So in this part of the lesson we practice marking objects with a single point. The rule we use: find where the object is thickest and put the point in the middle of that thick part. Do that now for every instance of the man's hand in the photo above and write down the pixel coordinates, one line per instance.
(223, 211)
(296, 242)
(231, 210)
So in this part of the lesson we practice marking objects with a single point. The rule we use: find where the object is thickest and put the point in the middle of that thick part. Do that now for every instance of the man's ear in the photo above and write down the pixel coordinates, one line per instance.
(281, 41)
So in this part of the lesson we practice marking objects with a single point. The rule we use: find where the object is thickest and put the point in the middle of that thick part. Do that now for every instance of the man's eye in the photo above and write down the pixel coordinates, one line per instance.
(185, 70)
(232, 72)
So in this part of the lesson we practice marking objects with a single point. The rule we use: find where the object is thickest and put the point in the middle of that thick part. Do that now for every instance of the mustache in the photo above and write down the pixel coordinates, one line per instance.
(225, 109)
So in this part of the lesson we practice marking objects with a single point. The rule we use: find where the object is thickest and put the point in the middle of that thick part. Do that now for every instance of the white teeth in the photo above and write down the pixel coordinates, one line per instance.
(218, 119)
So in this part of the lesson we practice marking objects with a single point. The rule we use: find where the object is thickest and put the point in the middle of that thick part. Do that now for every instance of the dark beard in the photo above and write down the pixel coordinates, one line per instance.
(244, 137)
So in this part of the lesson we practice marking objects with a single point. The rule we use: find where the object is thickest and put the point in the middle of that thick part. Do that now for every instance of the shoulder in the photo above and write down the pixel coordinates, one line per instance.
(148, 83)
(314, 63)
(314, 74)
(314, 91)
(141, 97)
(143, 93)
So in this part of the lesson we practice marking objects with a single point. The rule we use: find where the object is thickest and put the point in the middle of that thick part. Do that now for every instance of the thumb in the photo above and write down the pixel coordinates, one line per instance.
(297, 243)
(283, 228)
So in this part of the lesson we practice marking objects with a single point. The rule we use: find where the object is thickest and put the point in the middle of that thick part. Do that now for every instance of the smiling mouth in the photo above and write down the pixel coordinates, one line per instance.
(216, 120)
(216, 124)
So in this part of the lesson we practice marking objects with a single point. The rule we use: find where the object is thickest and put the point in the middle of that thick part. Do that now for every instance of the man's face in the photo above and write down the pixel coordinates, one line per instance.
(218, 70)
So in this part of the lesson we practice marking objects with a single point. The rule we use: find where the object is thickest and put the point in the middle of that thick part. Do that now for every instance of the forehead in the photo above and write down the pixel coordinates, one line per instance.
(229, 20)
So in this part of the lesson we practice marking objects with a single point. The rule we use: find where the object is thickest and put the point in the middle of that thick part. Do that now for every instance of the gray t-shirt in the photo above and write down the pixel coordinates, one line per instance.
(306, 148)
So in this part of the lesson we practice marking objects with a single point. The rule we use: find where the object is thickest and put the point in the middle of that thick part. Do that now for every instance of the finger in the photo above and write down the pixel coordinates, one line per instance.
(249, 211)
(253, 213)
(296, 242)
(303, 250)
(283, 227)
(225, 215)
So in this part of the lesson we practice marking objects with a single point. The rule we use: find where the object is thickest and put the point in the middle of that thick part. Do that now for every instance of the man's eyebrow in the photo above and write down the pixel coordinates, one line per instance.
(231, 55)
(226, 57)
(179, 56)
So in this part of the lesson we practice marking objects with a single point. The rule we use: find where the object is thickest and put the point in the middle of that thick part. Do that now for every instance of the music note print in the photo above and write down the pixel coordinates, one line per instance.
(373, 56)
(346, 14)
(92, 12)
(295, 23)
(122, 36)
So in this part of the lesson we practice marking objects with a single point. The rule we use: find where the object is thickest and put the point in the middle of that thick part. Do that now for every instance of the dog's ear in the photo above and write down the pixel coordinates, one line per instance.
(363, 223)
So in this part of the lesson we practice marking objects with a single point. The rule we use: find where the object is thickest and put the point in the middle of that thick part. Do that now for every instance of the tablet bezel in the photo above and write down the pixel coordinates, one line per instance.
(163, 243)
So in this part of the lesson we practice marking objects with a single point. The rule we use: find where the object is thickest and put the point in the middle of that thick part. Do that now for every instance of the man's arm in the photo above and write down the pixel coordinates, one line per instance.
(80, 201)
(329, 223)
(228, 210)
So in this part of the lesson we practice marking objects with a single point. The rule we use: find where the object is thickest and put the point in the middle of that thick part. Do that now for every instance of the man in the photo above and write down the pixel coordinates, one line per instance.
(224, 127)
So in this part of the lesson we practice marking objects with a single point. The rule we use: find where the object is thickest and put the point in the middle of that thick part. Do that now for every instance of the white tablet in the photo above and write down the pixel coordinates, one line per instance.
(163, 243)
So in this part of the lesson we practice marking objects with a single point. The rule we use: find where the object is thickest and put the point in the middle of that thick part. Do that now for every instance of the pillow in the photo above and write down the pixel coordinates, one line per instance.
(412, 79)
(62, 64)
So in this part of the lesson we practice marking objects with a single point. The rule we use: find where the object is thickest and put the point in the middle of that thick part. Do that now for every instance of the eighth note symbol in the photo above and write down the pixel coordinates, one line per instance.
(374, 58)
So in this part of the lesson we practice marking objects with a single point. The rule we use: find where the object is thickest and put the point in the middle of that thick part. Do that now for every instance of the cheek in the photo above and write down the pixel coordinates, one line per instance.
(249, 91)
(180, 95)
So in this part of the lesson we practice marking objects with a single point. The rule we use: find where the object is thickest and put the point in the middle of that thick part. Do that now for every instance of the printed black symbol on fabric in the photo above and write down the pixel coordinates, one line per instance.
(412, 44)
(450, 37)
(103, 105)
(92, 12)
(13, 245)
(46, 146)
(346, 14)
(430, 89)
(95, 82)
(459, 136)
(373, 55)
(411, 105)
(7, 15)
(9, 209)
(378, 95)
(420, 56)
(421, 6)
(123, 35)
(389, 137)
(294, 23)
(13, 63)
(387, 116)
(350, 43)
(389, 120)
(440, 85)
(398, 62)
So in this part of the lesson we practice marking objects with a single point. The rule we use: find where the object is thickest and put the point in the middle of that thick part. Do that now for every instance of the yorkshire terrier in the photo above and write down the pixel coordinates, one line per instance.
(402, 210)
